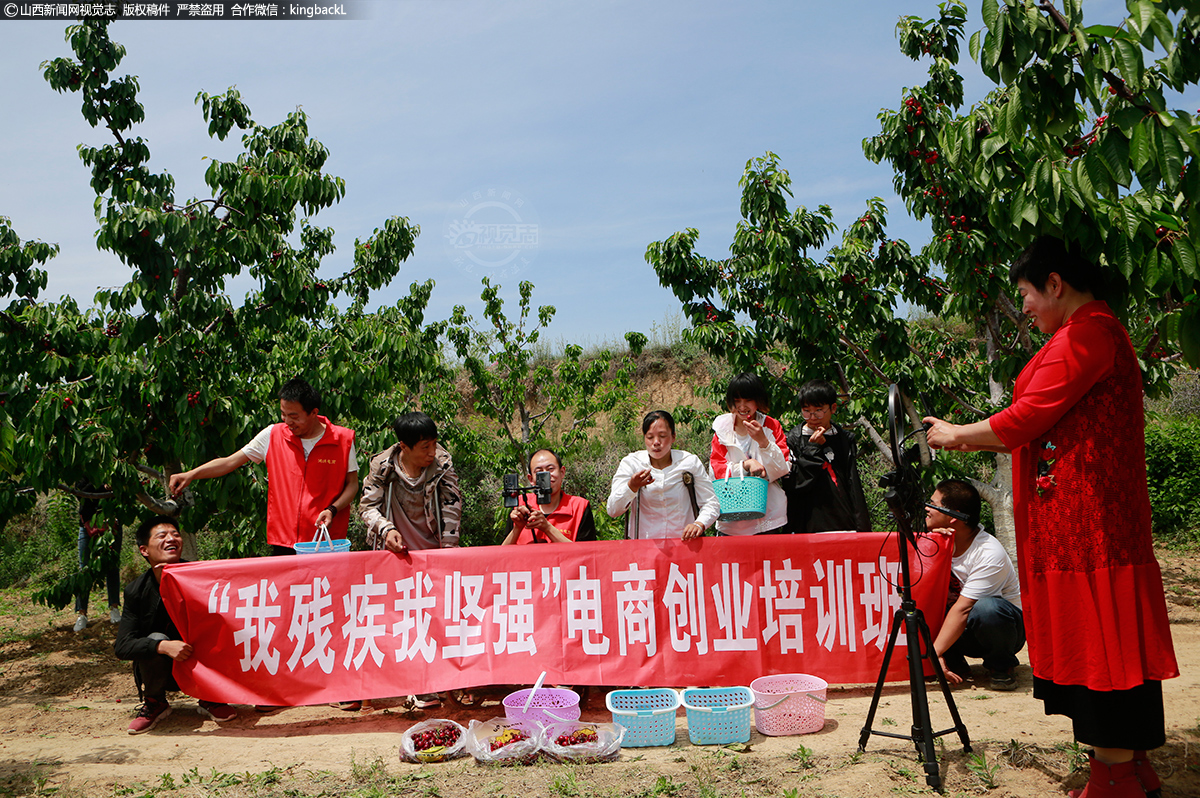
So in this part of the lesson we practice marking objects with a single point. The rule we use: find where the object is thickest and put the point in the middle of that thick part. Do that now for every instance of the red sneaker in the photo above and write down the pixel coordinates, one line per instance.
(218, 712)
(148, 716)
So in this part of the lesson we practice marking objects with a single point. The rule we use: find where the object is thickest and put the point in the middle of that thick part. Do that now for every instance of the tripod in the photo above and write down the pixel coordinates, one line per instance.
(916, 630)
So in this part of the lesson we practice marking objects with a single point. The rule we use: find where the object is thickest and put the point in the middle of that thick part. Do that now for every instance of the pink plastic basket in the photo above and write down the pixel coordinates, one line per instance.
(550, 705)
(789, 703)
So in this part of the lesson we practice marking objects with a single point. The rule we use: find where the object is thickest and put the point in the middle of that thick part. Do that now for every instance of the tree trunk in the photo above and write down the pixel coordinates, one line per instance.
(998, 494)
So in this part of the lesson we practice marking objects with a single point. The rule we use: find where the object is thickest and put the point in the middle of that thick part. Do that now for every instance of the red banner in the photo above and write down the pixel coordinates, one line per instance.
(713, 611)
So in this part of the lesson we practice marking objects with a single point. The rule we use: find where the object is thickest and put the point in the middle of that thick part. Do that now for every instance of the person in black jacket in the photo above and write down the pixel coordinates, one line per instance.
(148, 636)
(824, 490)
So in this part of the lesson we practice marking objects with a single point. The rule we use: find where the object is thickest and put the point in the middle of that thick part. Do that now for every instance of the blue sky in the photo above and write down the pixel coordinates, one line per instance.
(612, 123)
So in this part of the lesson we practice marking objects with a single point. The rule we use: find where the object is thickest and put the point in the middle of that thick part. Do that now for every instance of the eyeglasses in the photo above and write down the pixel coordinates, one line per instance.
(947, 511)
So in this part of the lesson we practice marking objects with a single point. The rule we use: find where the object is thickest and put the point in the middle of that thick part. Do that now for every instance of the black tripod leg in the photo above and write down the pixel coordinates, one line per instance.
(922, 728)
(897, 621)
(959, 726)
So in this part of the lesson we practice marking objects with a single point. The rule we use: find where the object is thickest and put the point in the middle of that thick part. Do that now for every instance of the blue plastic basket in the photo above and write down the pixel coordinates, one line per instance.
(321, 544)
(742, 498)
(648, 716)
(718, 715)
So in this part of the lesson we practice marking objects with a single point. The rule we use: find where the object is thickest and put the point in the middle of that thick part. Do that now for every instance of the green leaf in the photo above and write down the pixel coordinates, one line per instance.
(991, 11)
(1114, 151)
(1130, 221)
(1189, 334)
(974, 46)
(1126, 118)
(1169, 155)
(1105, 31)
(1084, 181)
(1030, 211)
(1123, 257)
(1140, 151)
(991, 54)
(991, 145)
(1145, 12)
(1185, 256)
(1158, 271)
(1081, 41)
(1162, 28)
(1129, 58)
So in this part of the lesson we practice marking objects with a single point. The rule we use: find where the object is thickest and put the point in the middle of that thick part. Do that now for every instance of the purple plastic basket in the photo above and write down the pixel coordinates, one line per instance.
(550, 705)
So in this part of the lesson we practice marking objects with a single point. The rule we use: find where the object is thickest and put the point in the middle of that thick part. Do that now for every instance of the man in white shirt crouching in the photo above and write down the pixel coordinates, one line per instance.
(985, 619)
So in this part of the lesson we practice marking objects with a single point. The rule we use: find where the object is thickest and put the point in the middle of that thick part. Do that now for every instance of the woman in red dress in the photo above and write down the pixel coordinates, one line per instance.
(1096, 618)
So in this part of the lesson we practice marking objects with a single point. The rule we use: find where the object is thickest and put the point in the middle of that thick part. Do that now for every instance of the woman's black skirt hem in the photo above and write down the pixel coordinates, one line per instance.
(1131, 719)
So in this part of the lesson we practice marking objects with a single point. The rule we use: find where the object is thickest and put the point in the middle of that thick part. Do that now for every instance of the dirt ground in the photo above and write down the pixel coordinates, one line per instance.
(65, 703)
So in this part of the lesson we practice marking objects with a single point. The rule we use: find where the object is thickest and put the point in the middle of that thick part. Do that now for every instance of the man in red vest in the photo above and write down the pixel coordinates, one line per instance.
(312, 470)
(566, 519)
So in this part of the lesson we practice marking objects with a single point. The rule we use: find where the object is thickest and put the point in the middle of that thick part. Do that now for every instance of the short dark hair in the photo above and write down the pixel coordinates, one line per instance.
(1049, 254)
(816, 393)
(298, 391)
(960, 495)
(655, 415)
(412, 428)
(747, 386)
(529, 463)
(142, 535)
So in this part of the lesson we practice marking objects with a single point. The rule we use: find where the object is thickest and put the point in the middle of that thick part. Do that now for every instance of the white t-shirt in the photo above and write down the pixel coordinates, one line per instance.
(256, 449)
(985, 570)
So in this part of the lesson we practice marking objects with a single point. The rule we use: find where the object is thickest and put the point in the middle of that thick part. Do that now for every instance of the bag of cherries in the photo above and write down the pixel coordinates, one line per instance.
(433, 741)
(579, 741)
(501, 741)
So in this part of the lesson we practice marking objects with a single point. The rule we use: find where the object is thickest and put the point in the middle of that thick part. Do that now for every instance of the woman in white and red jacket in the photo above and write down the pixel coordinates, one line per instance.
(748, 441)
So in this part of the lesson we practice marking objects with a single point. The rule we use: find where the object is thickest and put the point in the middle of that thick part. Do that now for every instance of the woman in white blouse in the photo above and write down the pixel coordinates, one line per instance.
(652, 485)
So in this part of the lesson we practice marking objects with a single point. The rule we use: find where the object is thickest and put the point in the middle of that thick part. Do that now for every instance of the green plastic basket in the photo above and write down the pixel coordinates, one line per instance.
(742, 498)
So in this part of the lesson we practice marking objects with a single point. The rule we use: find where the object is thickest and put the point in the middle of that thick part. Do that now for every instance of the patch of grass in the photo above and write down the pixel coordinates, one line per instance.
(375, 770)
(565, 785)
(706, 781)
(886, 722)
(662, 786)
(1077, 757)
(803, 757)
(1020, 755)
(984, 771)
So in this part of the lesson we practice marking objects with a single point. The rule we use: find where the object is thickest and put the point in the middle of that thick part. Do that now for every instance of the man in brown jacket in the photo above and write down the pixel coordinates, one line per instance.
(410, 497)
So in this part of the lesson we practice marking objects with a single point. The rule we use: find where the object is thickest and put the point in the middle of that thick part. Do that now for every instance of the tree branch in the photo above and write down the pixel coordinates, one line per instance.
(16, 325)
(876, 438)
(147, 470)
(1055, 15)
(1117, 83)
(866, 361)
(161, 506)
(85, 494)
(964, 404)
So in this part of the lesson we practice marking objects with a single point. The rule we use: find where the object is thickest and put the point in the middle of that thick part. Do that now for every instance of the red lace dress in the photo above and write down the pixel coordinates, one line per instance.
(1095, 615)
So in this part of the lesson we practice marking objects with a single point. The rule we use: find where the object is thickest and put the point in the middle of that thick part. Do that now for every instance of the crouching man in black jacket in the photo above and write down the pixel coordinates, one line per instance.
(148, 636)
